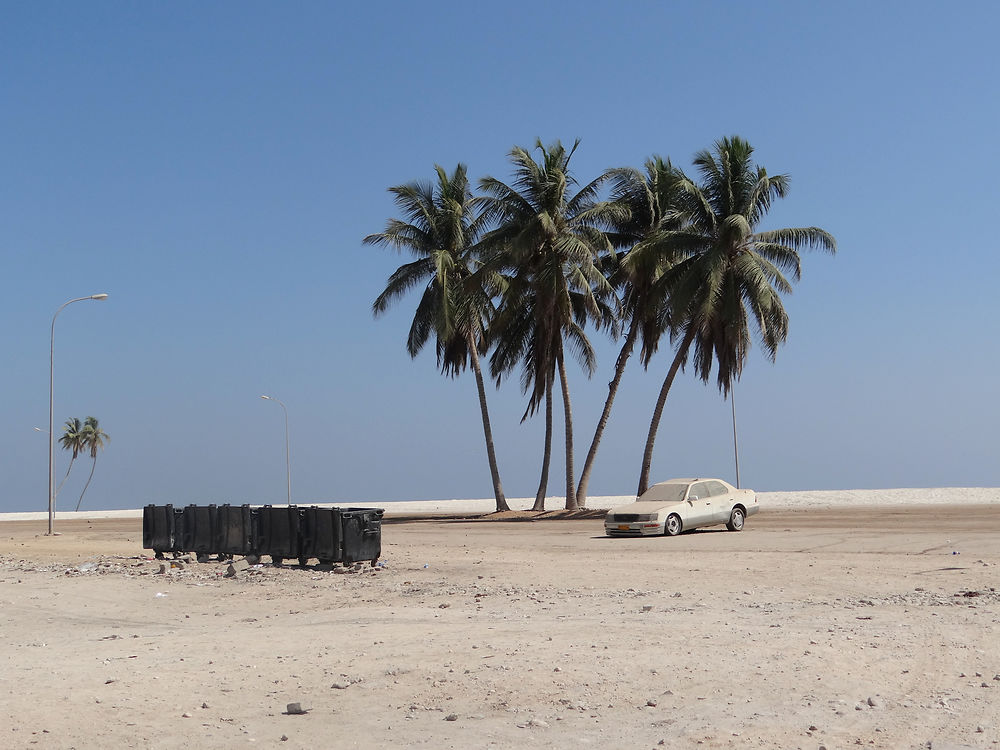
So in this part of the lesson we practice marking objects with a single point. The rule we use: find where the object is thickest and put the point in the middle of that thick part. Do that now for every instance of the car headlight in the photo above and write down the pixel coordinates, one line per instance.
(646, 517)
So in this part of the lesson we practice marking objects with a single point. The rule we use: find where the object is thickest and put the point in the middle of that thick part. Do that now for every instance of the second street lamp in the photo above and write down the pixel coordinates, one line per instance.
(288, 465)
(52, 350)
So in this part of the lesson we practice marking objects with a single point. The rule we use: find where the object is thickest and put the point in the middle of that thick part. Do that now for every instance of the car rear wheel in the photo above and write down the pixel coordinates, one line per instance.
(673, 525)
(736, 520)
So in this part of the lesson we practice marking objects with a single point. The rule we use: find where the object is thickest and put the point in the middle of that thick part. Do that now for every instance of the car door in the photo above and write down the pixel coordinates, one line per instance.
(722, 501)
(700, 506)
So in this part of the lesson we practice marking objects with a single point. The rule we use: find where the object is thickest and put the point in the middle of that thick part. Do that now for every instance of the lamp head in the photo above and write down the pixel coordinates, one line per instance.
(99, 296)
(266, 398)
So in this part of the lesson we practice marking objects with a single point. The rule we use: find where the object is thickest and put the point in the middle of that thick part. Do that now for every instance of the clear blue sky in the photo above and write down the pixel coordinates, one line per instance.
(214, 166)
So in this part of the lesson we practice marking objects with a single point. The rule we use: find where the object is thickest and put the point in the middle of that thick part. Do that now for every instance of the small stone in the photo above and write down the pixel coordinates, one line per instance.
(236, 566)
(538, 723)
(295, 709)
(186, 715)
(444, 605)
(204, 705)
(647, 607)
(651, 702)
(451, 717)
(340, 685)
(284, 738)
(874, 702)
(813, 728)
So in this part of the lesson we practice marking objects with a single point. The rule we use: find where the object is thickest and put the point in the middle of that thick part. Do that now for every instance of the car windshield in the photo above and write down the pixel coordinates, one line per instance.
(669, 492)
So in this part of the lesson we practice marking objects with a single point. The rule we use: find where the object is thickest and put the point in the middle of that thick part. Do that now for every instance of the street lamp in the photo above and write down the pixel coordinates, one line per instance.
(52, 349)
(736, 445)
(288, 465)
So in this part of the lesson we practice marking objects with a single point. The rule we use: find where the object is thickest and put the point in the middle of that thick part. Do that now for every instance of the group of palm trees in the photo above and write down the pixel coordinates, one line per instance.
(85, 437)
(518, 272)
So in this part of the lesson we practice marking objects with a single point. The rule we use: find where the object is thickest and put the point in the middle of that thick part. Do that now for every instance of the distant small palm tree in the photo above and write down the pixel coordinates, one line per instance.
(93, 439)
(72, 439)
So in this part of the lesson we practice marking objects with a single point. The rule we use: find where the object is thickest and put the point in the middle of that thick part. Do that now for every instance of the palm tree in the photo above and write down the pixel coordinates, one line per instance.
(441, 226)
(730, 272)
(546, 247)
(94, 438)
(641, 205)
(72, 439)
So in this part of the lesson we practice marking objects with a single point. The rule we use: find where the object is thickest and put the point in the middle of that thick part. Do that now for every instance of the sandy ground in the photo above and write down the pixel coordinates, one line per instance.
(876, 627)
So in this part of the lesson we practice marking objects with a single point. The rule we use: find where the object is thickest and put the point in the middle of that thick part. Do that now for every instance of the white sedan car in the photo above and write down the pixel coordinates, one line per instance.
(682, 504)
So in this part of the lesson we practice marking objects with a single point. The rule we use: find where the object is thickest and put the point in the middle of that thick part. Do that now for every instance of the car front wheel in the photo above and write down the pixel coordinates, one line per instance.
(673, 526)
(736, 520)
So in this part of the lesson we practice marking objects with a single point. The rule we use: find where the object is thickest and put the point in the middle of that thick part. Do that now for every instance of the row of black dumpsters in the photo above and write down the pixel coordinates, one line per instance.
(284, 532)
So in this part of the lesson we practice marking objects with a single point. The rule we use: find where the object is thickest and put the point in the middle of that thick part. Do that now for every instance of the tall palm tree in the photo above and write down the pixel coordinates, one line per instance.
(440, 227)
(642, 203)
(730, 272)
(94, 438)
(72, 439)
(547, 248)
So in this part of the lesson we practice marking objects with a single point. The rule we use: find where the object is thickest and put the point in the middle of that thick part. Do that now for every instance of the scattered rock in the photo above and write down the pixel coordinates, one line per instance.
(236, 566)
(451, 717)
(651, 702)
(874, 702)
(340, 685)
(186, 715)
(295, 709)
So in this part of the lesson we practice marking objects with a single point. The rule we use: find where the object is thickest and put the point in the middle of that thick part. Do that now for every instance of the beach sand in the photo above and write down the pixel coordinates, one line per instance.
(843, 623)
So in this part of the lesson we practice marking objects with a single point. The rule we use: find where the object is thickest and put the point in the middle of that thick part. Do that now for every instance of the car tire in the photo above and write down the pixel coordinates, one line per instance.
(736, 519)
(673, 526)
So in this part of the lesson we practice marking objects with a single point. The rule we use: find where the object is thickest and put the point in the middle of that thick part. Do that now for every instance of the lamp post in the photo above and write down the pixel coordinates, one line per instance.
(52, 349)
(736, 445)
(288, 465)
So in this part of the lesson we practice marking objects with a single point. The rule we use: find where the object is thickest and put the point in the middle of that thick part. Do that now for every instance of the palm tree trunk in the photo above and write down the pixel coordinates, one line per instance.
(543, 483)
(568, 413)
(588, 465)
(92, 467)
(67, 475)
(647, 456)
(487, 430)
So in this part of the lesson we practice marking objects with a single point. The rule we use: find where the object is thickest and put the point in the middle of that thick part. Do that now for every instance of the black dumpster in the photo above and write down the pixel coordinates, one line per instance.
(158, 531)
(279, 532)
(320, 535)
(235, 533)
(362, 530)
(201, 535)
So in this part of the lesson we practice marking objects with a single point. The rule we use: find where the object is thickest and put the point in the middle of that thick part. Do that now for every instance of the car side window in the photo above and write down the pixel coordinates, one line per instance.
(700, 489)
(717, 488)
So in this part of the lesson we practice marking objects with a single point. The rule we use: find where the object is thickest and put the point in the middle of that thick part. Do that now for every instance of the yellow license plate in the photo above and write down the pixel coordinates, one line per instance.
(623, 527)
